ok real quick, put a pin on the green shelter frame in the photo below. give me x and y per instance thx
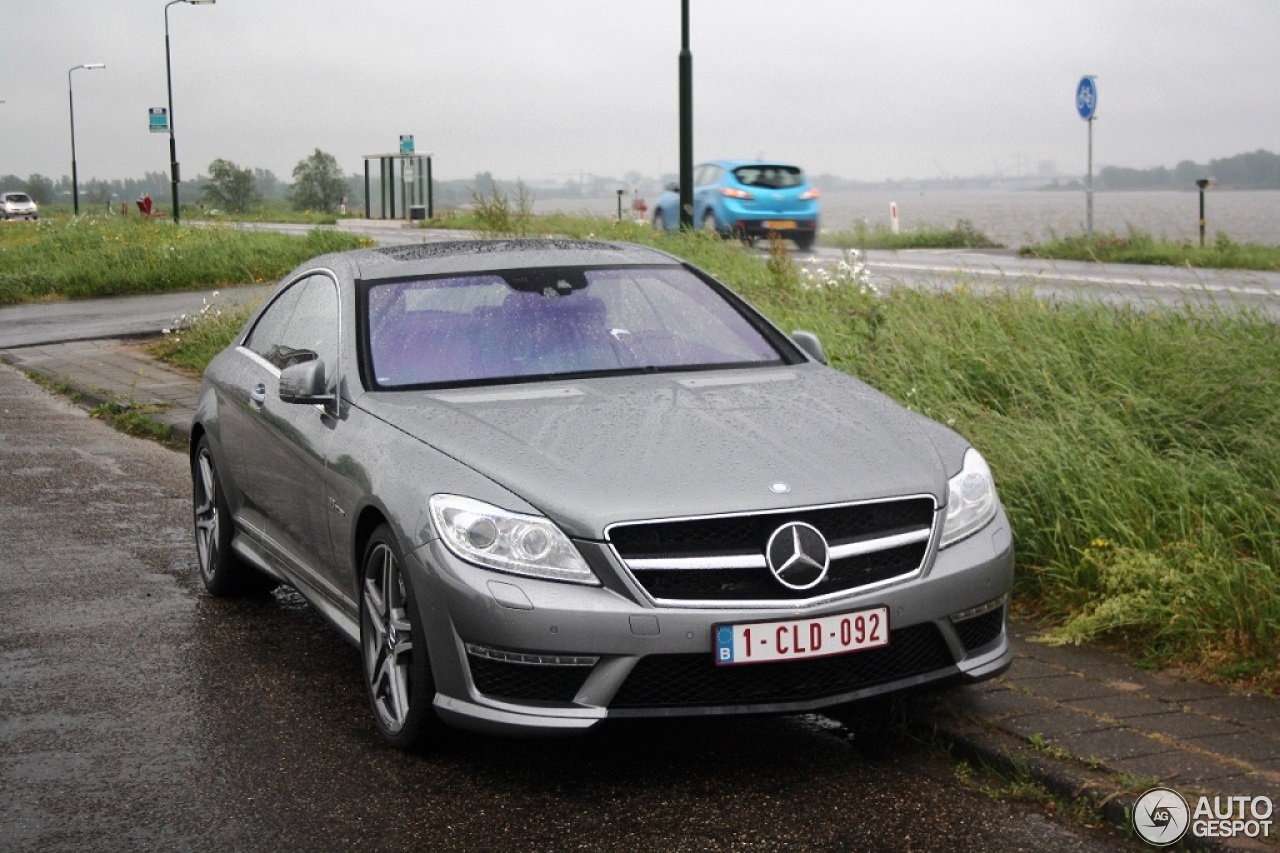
(404, 186)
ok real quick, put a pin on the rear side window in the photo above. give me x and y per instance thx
(769, 177)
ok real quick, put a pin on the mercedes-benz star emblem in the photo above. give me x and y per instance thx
(798, 555)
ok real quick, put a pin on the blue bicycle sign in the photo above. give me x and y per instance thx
(1086, 98)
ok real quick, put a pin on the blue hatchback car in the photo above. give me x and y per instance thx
(747, 199)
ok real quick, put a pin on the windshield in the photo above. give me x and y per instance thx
(21, 198)
(520, 324)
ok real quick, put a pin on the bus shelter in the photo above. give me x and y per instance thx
(403, 186)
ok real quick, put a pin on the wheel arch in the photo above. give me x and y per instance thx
(197, 432)
(369, 520)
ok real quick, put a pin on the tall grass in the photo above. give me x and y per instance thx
(963, 235)
(1140, 247)
(107, 256)
(1138, 453)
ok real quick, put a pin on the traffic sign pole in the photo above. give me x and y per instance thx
(1086, 106)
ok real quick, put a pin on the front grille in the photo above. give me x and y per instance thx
(526, 682)
(666, 681)
(981, 630)
(669, 559)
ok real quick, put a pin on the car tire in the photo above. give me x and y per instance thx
(397, 670)
(659, 221)
(709, 222)
(223, 573)
(804, 242)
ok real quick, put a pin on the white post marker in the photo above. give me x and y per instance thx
(893, 217)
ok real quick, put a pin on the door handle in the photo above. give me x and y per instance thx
(258, 395)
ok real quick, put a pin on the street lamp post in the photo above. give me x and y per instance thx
(686, 121)
(168, 72)
(71, 101)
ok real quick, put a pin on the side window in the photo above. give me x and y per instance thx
(270, 326)
(301, 325)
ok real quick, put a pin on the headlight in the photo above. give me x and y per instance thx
(971, 499)
(507, 541)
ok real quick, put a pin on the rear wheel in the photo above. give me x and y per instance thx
(804, 242)
(709, 222)
(659, 221)
(397, 672)
(223, 573)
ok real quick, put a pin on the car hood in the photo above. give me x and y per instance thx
(592, 452)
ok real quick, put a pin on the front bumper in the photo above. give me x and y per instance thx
(520, 655)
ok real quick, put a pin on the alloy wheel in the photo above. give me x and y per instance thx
(387, 638)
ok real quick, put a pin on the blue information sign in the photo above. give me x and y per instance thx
(158, 119)
(1086, 98)
(406, 144)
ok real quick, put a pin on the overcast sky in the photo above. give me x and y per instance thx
(549, 89)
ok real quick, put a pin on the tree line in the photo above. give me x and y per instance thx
(318, 184)
(1259, 170)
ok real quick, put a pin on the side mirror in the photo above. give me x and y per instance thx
(809, 342)
(304, 383)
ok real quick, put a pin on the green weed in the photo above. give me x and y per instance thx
(1140, 247)
(107, 256)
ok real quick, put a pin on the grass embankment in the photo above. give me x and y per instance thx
(111, 256)
(1138, 453)
(1139, 247)
(963, 235)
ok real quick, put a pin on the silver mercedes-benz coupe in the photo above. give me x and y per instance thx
(546, 483)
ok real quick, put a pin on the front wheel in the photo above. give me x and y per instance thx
(659, 221)
(224, 574)
(397, 672)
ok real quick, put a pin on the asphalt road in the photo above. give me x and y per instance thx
(139, 713)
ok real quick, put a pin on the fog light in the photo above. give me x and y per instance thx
(974, 612)
(531, 659)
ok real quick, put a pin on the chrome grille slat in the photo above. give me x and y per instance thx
(720, 560)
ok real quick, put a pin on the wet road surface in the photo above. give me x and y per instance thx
(138, 713)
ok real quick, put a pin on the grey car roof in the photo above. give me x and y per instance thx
(464, 256)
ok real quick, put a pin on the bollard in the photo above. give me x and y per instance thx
(1202, 184)
(893, 217)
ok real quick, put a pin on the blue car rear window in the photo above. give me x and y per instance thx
(769, 177)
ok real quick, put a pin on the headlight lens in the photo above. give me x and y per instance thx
(971, 499)
(507, 541)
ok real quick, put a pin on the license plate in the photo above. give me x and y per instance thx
(779, 224)
(797, 639)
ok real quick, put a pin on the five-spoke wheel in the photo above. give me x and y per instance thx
(396, 669)
(223, 573)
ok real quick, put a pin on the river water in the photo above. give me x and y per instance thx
(1015, 218)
